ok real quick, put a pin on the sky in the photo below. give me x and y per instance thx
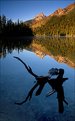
(27, 9)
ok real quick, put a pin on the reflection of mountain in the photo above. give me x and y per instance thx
(38, 53)
(38, 50)
(61, 59)
(61, 49)
(41, 51)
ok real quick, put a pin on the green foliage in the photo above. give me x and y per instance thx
(58, 46)
(8, 28)
(58, 25)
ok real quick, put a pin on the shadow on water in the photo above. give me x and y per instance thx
(8, 44)
(55, 83)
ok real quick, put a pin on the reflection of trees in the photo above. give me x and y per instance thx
(11, 34)
(61, 49)
(9, 44)
(58, 46)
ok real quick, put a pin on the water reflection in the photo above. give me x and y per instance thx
(15, 83)
(7, 45)
(61, 49)
(55, 83)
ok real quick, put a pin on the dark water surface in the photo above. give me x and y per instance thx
(15, 81)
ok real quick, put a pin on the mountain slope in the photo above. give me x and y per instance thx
(59, 23)
(39, 17)
(64, 11)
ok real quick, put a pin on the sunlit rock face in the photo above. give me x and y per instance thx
(64, 11)
(60, 11)
(39, 17)
(69, 8)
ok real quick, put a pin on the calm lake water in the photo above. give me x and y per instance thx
(41, 54)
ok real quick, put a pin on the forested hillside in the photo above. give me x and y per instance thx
(9, 28)
(58, 25)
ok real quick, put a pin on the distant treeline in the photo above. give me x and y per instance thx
(58, 26)
(9, 28)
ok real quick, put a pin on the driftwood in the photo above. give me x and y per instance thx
(56, 85)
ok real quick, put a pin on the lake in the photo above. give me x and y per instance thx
(41, 54)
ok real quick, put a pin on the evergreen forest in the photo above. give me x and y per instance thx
(10, 28)
(58, 26)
